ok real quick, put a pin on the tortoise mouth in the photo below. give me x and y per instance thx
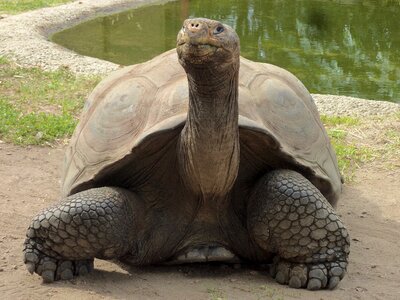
(196, 53)
(198, 49)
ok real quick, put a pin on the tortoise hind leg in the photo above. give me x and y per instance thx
(289, 217)
(63, 240)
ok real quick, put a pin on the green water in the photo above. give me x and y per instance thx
(347, 47)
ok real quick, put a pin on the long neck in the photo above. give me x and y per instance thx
(209, 142)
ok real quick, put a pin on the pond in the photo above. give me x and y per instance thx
(342, 47)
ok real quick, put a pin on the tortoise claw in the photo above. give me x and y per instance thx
(30, 267)
(52, 269)
(313, 276)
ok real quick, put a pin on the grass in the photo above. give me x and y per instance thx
(33, 128)
(18, 6)
(339, 120)
(393, 136)
(40, 107)
(358, 141)
(350, 156)
(383, 135)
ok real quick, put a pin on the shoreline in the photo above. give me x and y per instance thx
(24, 39)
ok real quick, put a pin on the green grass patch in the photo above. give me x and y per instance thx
(33, 128)
(3, 60)
(40, 107)
(17, 6)
(339, 120)
(33, 89)
(350, 155)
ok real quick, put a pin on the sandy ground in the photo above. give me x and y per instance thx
(29, 181)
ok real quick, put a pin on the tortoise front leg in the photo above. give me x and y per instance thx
(63, 240)
(288, 216)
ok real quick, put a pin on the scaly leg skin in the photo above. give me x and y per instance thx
(288, 216)
(63, 240)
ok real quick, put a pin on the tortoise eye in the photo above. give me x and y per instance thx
(219, 29)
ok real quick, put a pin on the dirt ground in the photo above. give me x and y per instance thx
(29, 181)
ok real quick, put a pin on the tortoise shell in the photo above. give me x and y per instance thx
(139, 109)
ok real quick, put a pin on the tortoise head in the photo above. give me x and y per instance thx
(207, 43)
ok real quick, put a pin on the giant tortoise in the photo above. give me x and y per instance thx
(197, 155)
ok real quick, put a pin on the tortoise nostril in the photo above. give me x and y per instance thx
(194, 26)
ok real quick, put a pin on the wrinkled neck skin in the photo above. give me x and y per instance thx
(209, 142)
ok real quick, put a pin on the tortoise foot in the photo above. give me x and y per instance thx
(310, 276)
(52, 269)
(289, 217)
(62, 241)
